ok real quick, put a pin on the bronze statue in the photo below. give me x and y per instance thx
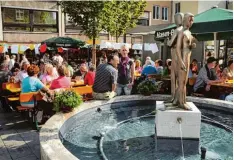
(174, 55)
(184, 45)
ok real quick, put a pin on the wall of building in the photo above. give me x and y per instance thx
(230, 5)
(185, 6)
(189, 6)
(25, 37)
(31, 4)
(149, 7)
(206, 5)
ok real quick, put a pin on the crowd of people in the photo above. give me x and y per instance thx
(115, 75)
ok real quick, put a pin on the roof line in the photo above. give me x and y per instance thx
(213, 32)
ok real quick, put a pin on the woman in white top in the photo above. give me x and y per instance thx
(48, 76)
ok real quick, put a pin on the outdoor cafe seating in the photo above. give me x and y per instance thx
(20, 98)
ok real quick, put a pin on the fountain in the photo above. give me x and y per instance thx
(125, 129)
(144, 127)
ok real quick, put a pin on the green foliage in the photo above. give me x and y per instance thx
(119, 16)
(149, 86)
(116, 17)
(86, 14)
(69, 99)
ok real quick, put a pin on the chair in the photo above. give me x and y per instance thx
(32, 110)
(84, 91)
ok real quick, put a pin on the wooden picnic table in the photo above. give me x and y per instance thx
(137, 74)
(221, 88)
(223, 84)
(17, 89)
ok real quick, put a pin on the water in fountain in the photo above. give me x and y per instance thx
(181, 138)
(131, 135)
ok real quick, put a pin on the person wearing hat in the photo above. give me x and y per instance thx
(206, 77)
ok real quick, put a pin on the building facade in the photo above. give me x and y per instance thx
(196, 7)
(33, 22)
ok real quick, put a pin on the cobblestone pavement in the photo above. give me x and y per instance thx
(18, 141)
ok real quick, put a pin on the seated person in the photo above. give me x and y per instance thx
(81, 72)
(206, 77)
(159, 66)
(62, 81)
(106, 79)
(138, 67)
(23, 73)
(146, 63)
(32, 84)
(228, 71)
(149, 69)
(48, 74)
(90, 76)
(167, 70)
(69, 69)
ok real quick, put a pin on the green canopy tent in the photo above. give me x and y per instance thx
(65, 42)
(213, 24)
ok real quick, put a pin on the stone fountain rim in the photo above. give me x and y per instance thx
(51, 145)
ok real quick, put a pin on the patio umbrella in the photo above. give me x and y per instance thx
(213, 24)
(66, 42)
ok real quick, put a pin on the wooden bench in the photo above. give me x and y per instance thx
(32, 111)
(84, 91)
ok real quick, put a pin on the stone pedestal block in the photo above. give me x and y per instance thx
(167, 128)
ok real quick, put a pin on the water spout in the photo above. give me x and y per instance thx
(179, 120)
(203, 153)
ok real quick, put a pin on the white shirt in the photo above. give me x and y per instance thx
(59, 59)
(11, 64)
(20, 76)
(24, 60)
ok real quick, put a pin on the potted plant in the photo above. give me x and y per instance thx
(66, 101)
(149, 86)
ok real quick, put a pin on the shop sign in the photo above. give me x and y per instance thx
(165, 34)
(63, 45)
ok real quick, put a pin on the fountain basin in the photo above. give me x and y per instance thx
(54, 131)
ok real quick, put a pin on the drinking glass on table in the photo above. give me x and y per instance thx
(78, 78)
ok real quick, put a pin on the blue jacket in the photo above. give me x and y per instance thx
(149, 70)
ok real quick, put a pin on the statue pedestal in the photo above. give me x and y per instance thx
(168, 134)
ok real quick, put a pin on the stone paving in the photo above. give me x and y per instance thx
(17, 139)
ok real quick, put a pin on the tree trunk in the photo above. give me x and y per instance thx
(94, 52)
(125, 38)
(116, 38)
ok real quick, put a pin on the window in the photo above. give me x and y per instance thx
(177, 8)
(156, 12)
(29, 20)
(44, 17)
(164, 13)
(15, 16)
(143, 20)
(71, 26)
(19, 15)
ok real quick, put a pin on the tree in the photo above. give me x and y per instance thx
(119, 16)
(88, 15)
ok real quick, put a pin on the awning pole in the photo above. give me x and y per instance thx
(215, 44)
